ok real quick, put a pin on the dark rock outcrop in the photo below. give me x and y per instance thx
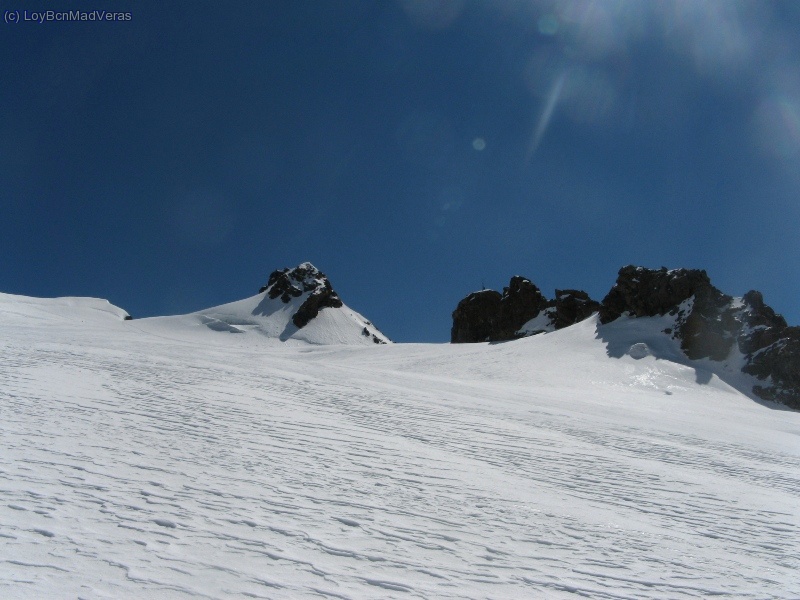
(762, 326)
(293, 283)
(570, 307)
(708, 323)
(771, 349)
(320, 298)
(476, 317)
(706, 326)
(711, 324)
(778, 364)
(520, 303)
(490, 316)
(646, 292)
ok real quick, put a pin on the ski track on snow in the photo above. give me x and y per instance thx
(142, 468)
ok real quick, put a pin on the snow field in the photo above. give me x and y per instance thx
(152, 459)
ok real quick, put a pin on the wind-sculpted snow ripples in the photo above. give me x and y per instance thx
(169, 471)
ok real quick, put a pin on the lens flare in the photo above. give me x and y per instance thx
(548, 24)
(546, 116)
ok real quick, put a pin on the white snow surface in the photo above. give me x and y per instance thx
(161, 458)
(541, 323)
(263, 317)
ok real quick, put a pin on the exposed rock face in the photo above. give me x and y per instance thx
(572, 306)
(762, 326)
(368, 334)
(708, 323)
(780, 364)
(706, 329)
(771, 349)
(293, 283)
(521, 302)
(476, 317)
(647, 293)
(489, 316)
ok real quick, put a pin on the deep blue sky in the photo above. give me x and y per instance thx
(414, 150)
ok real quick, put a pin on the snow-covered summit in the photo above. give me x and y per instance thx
(305, 274)
(304, 280)
(297, 304)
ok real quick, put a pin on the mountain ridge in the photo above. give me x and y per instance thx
(741, 340)
(742, 334)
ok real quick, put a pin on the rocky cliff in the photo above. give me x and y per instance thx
(522, 309)
(708, 323)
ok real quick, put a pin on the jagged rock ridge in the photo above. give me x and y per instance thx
(490, 316)
(707, 330)
(708, 323)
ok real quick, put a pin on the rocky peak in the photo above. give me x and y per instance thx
(771, 349)
(293, 283)
(778, 366)
(304, 279)
(706, 330)
(648, 292)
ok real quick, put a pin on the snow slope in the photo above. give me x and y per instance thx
(262, 317)
(27, 311)
(164, 458)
